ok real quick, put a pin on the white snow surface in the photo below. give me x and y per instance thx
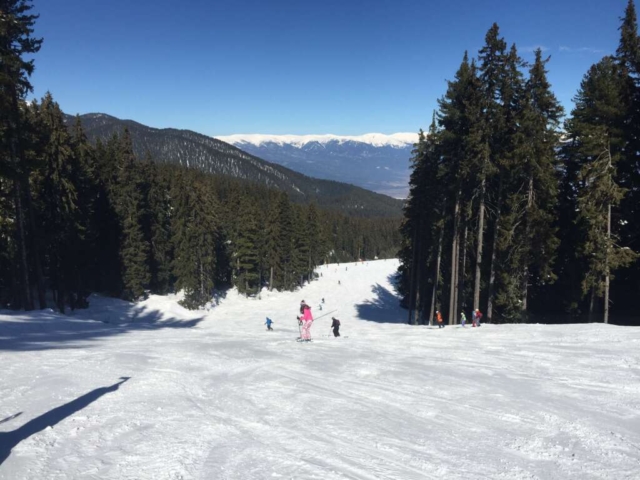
(213, 395)
(397, 140)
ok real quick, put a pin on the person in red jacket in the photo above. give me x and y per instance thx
(439, 319)
(477, 315)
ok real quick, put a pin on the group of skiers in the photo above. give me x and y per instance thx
(305, 320)
(475, 318)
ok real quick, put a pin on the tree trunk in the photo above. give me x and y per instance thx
(525, 273)
(476, 286)
(26, 300)
(19, 199)
(412, 273)
(42, 302)
(461, 303)
(454, 263)
(437, 282)
(492, 266)
(607, 276)
(271, 280)
(416, 317)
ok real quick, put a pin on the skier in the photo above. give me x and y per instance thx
(477, 315)
(307, 320)
(335, 325)
(439, 319)
(463, 319)
(322, 299)
(268, 324)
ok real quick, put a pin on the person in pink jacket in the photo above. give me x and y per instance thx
(307, 320)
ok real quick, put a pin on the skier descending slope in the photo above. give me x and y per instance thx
(335, 325)
(307, 320)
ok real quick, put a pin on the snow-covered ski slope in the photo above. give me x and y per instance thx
(213, 395)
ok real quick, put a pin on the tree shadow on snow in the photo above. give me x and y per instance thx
(385, 308)
(8, 440)
(44, 330)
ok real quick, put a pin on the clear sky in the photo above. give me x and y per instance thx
(346, 67)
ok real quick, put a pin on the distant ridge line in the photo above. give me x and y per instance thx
(398, 140)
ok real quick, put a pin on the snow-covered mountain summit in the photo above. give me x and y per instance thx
(374, 161)
(398, 140)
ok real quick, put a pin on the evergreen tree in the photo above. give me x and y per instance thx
(464, 156)
(245, 248)
(195, 230)
(131, 208)
(285, 243)
(528, 235)
(315, 239)
(107, 226)
(272, 254)
(628, 165)
(300, 260)
(60, 215)
(16, 43)
(596, 130)
(86, 182)
(156, 225)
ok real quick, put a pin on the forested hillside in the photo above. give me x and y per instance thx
(77, 218)
(516, 214)
(100, 219)
(207, 154)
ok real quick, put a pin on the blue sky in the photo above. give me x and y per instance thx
(346, 67)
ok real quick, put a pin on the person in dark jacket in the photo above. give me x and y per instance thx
(335, 325)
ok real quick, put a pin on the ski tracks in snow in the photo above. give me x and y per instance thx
(227, 400)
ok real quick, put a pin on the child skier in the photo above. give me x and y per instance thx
(463, 319)
(268, 324)
(335, 325)
(439, 319)
(307, 320)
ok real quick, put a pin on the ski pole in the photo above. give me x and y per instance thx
(325, 314)
(299, 330)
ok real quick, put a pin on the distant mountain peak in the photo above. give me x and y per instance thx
(397, 140)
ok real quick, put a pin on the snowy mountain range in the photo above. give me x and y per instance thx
(374, 161)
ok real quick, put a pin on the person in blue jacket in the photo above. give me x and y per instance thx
(268, 323)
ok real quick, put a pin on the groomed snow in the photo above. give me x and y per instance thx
(212, 395)
(374, 139)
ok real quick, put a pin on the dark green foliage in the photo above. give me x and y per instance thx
(560, 216)
(156, 225)
(16, 43)
(245, 248)
(597, 134)
(207, 154)
(131, 206)
(423, 226)
(61, 217)
(195, 232)
(527, 240)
